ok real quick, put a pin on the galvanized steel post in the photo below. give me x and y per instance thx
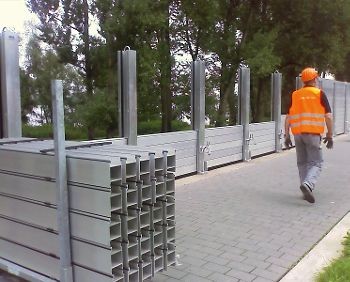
(198, 111)
(276, 82)
(66, 271)
(244, 92)
(347, 110)
(298, 83)
(11, 123)
(127, 95)
(334, 108)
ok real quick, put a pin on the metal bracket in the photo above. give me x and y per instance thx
(206, 148)
(280, 134)
(251, 138)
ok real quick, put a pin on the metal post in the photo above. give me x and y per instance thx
(10, 85)
(344, 116)
(66, 271)
(298, 83)
(244, 92)
(347, 110)
(276, 112)
(198, 110)
(127, 93)
(333, 109)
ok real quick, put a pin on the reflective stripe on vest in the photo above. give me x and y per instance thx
(307, 113)
(307, 122)
(311, 115)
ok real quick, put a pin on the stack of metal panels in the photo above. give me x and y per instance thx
(122, 209)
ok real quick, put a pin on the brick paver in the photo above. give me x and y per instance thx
(248, 222)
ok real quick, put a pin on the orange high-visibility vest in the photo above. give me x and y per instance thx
(307, 113)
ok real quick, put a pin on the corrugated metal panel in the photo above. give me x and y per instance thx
(184, 143)
(90, 172)
(263, 138)
(47, 242)
(225, 145)
(45, 264)
(166, 138)
(328, 88)
(92, 229)
(95, 201)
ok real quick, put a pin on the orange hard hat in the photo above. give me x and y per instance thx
(308, 74)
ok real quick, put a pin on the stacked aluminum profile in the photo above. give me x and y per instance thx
(122, 209)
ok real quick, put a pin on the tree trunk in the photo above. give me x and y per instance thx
(226, 102)
(258, 100)
(88, 66)
(165, 72)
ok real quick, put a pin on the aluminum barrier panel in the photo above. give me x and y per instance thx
(262, 138)
(223, 145)
(283, 119)
(183, 142)
(122, 212)
(328, 87)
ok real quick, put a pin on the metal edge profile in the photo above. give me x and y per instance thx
(85, 199)
(83, 171)
(23, 272)
(47, 242)
(85, 227)
(44, 265)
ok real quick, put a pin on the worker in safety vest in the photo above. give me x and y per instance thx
(308, 113)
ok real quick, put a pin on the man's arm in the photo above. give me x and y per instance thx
(329, 124)
(328, 116)
(286, 125)
(287, 141)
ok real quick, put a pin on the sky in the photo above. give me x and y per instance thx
(13, 14)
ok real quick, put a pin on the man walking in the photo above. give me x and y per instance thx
(307, 114)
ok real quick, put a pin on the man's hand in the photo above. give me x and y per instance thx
(328, 140)
(287, 142)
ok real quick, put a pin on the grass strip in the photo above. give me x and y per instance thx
(339, 269)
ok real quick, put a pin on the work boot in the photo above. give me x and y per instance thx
(307, 192)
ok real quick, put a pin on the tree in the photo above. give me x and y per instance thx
(123, 23)
(310, 33)
(64, 25)
(42, 66)
(227, 34)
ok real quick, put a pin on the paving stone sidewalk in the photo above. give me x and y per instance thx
(248, 222)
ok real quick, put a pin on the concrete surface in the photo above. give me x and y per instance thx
(248, 221)
(321, 255)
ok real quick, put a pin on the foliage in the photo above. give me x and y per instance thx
(149, 127)
(98, 112)
(338, 270)
(310, 33)
(45, 131)
(42, 66)
(83, 37)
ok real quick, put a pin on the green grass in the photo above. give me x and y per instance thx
(80, 133)
(154, 126)
(339, 269)
(46, 132)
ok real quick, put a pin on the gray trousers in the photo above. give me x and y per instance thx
(309, 157)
